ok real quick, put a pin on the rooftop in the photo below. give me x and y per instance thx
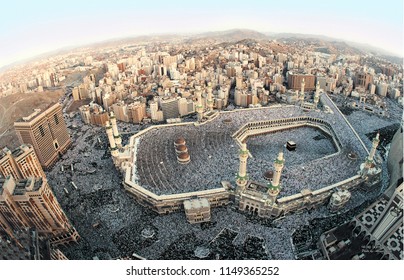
(36, 114)
(196, 203)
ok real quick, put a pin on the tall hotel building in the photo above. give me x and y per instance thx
(47, 133)
(31, 203)
(22, 163)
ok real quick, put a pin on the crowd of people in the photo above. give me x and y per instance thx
(214, 153)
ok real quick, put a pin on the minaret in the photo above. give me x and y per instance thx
(370, 159)
(317, 95)
(114, 149)
(274, 187)
(242, 177)
(302, 91)
(199, 106)
(117, 136)
(375, 143)
(210, 98)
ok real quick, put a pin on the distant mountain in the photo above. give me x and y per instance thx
(358, 46)
(325, 44)
(232, 35)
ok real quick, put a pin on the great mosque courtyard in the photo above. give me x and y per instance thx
(213, 148)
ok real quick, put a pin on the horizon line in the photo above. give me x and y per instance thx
(66, 48)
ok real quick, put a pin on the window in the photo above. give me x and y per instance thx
(41, 130)
(56, 118)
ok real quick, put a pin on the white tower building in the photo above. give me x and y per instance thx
(274, 187)
(117, 136)
(317, 95)
(199, 106)
(302, 91)
(210, 98)
(242, 177)
(368, 164)
(112, 144)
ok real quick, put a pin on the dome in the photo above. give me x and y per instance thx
(183, 156)
(180, 141)
(268, 175)
(181, 148)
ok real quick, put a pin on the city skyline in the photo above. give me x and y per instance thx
(222, 134)
(38, 28)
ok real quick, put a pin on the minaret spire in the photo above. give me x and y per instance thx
(274, 187)
(317, 95)
(302, 91)
(370, 159)
(199, 106)
(242, 177)
(112, 144)
(210, 98)
(117, 136)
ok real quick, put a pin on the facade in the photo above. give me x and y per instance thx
(381, 89)
(137, 112)
(47, 133)
(93, 114)
(182, 106)
(8, 165)
(363, 80)
(295, 81)
(120, 110)
(374, 234)
(155, 113)
(22, 163)
(31, 203)
(28, 245)
(197, 210)
(170, 108)
(395, 160)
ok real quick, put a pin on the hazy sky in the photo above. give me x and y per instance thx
(28, 28)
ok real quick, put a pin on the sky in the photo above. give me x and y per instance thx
(29, 28)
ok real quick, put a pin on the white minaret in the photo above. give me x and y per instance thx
(317, 94)
(274, 187)
(117, 136)
(199, 106)
(302, 91)
(242, 177)
(375, 143)
(210, 98)
(114, 149)
(370, 159)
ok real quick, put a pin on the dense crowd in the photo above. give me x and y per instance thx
(214, 153)
(104, 214)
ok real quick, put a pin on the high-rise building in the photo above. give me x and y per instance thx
(363, 79)
(76, 94)
(182, 106)
(31, 203)
(28, 245)
(154, 106)
(381, 89)
(137, 112)
(93, 114)
(170, 108)
(47, 133)
(8, 165)
(190, 106)
(22, 163)
(120, 110)
(295, 81)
